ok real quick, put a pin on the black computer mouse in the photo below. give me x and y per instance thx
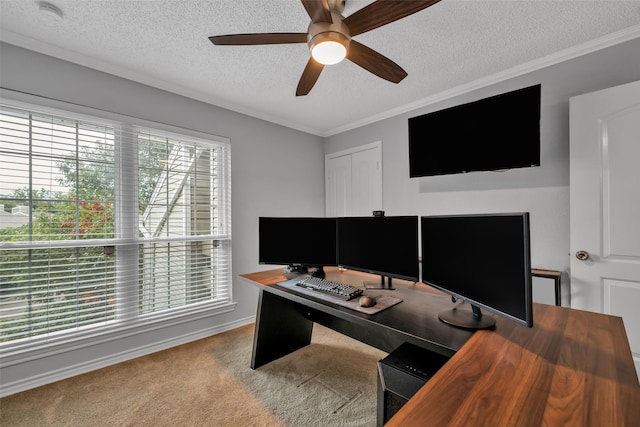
(365, 301)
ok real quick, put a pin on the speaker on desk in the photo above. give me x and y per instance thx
(401, 374)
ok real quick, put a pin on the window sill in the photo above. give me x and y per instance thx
(30, 349)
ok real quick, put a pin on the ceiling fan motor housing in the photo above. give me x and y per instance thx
(336, 31)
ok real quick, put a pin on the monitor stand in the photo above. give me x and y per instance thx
(368, 284)
(466, 319)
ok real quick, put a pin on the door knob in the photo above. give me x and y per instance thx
(582, 255)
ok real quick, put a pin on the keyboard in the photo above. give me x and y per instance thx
(336, 289)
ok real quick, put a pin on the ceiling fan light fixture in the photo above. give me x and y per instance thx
(329, 34)
(329, 48)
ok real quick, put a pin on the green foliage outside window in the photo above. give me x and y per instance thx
(47, 289)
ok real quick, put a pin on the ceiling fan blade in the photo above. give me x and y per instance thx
(309, 77)
(383, 12)
(259, 38)
(318, 10)
(375, 62)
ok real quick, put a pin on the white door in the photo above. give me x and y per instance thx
(338, 186)
(605, 205)
(353, 181)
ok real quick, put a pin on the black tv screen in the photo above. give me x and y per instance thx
(495, 133)
(387, 246)
(297, 241)
(481, 259)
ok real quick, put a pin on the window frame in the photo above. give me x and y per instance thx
(126, 322)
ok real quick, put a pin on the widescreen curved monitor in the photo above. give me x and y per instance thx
(483, 260)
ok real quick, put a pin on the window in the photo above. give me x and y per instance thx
(105, 224)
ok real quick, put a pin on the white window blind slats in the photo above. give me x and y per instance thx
(81, 200)
(182, 272)
(54, 289)
(44, 174)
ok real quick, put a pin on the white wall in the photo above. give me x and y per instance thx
(267, 179)
(542, 191)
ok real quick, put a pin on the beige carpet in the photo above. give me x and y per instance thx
(332, 382)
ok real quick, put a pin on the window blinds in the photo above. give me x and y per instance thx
(106, 223)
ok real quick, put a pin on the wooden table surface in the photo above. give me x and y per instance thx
(573, 368)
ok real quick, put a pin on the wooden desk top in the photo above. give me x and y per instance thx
(573, 368)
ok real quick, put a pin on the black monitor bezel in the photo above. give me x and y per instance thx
(482, 138)
(297, 238)
(378, 271)
(526, 273)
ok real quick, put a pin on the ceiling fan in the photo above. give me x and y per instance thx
(329, 37)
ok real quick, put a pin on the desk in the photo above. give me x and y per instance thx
(573, 368)
(284, 319)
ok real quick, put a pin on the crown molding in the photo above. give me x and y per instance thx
(126, 73)
(519, 70)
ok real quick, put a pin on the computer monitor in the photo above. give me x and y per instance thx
(295, 241)
(481, 259)
(382, 245)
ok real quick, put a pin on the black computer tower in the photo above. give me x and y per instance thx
(401, 374)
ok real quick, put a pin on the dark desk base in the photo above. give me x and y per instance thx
(284, 320)
(280, 329)
(418, 341)
(284, 326)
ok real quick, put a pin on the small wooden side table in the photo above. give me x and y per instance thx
(551, 274)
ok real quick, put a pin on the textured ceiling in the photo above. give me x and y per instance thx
(444, 48)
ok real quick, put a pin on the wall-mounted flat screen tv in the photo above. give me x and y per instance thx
(496, 133)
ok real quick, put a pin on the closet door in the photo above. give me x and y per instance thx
(338, 186)
(366, 182)
(353, 181)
